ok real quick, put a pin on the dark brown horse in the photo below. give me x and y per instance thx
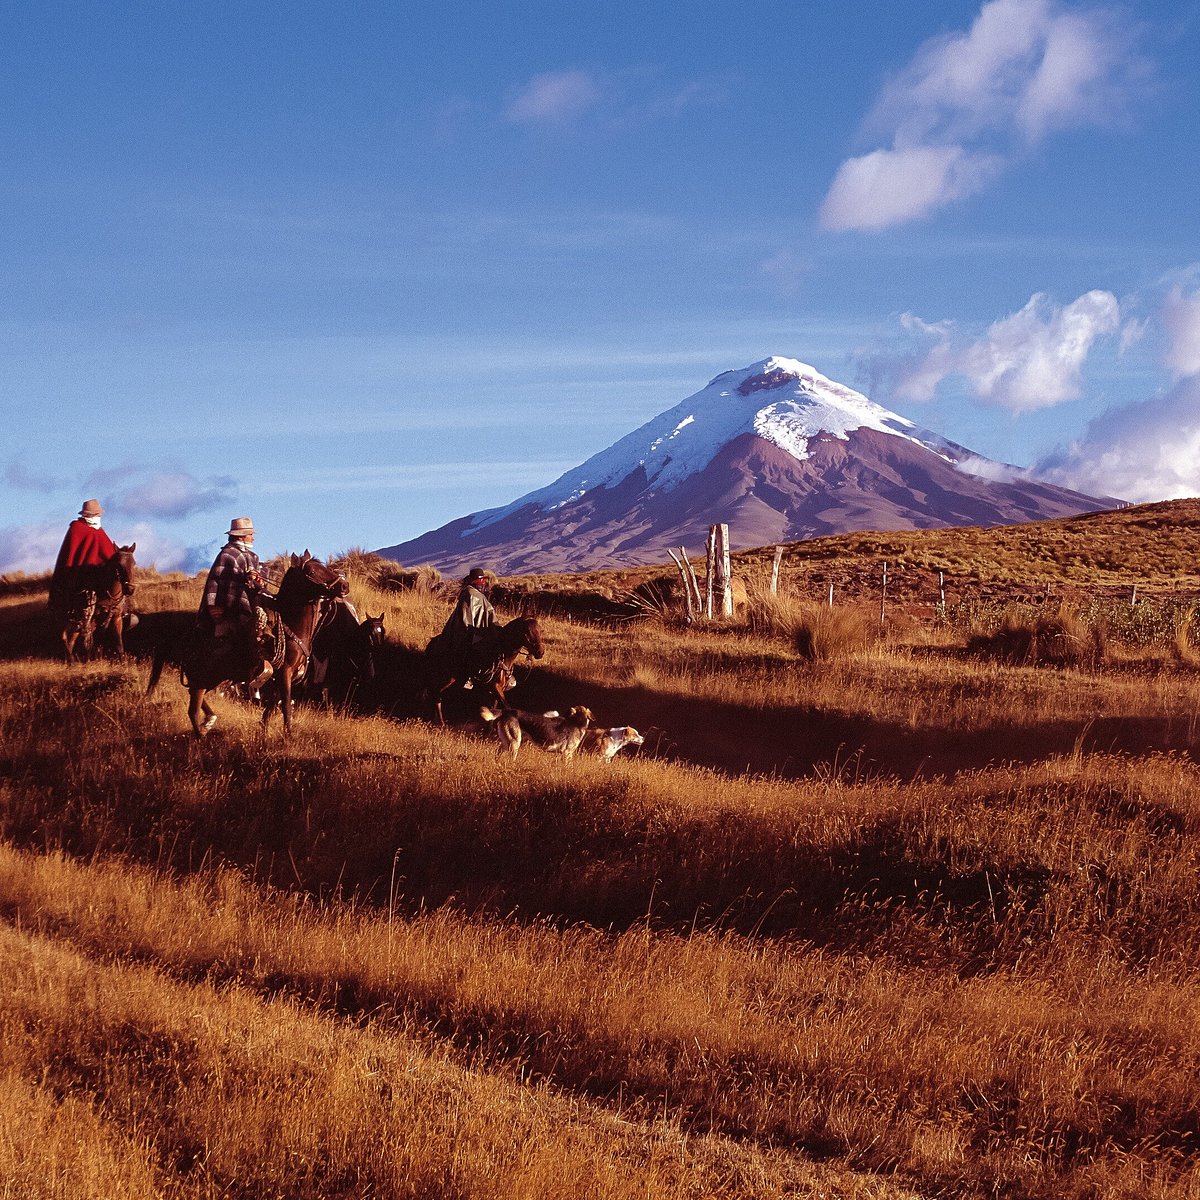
(95, 604)
(488, 672)
(307, 587)
(344, 654)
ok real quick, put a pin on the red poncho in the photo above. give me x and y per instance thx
(82, 547)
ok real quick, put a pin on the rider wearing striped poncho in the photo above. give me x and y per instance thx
(232, 594)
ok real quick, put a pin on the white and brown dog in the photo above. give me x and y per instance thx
(555, 734)
(610, 742)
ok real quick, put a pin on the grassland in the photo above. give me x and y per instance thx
(909, 920)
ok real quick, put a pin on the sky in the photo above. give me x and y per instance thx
(357, 270)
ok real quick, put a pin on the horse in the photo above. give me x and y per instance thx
(344, 652)
(489, 666)
(94, 603)
(307, 587)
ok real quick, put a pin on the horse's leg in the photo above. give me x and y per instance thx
(68, 641)
(285, 701)
(119, 636)
(270, 698)
(197, 705)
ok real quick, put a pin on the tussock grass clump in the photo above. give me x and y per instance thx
(821, 633)
(1064, 639)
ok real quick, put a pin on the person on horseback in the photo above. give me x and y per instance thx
(85, 544)
(234, 594)
(473, 615)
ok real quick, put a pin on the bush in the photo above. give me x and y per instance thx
(1064, 639)
(821, 633)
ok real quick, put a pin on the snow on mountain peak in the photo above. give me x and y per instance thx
(781, 400)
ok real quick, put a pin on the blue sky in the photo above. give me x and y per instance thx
(356, 270)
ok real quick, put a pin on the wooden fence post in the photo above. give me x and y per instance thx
(831, 594)
(883, 594)
(687, 588)
(775, 570)
(722, 586)
(694, 582)
(710, 571)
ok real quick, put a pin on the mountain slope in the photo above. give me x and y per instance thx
(777, 451)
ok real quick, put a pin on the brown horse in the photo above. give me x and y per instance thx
(307, 587)
(488, 671)
(95, 604)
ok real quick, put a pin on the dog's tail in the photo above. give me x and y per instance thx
(508, 728)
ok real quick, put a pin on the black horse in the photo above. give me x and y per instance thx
(344, 655)
(488, 672)
(94, 604)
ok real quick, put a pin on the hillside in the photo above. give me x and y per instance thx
(908, 921)
(1153, 547)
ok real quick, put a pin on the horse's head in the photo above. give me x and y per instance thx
(312, 577)
(122, 565)
(372, 628)
(532, 636)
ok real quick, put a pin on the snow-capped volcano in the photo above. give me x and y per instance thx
(776, 450)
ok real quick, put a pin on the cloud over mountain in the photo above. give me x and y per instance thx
(1028, 360)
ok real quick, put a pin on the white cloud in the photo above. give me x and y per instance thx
(1141, 452)
(889, 187)
(555, 98)
(1031, 359)
(174, 494)
(30, 548)
(1181, 318)
(970, 103)
(33, 548)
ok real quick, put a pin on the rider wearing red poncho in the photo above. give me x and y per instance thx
(85, 545)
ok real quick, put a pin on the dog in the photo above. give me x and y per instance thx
(554, 733)
(609, 742)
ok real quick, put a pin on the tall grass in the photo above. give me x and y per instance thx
(943, 943)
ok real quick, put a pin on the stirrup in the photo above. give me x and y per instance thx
(261, 677)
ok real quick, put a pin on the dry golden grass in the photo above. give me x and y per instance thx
(943, 940)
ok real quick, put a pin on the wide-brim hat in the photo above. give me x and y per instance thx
(477, 575)
(240, 527)
(91, 508)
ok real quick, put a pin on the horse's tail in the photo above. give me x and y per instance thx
(156, 668)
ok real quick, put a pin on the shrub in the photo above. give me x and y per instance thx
(821, 633)
(1063, 639)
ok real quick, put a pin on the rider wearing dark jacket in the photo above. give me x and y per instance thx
(473, 615)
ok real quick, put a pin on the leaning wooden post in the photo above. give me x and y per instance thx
(710, 576)
(775, 570)
(694, 582)
(723, 586)
(687, 588)
(883, 594)
(831, 594)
